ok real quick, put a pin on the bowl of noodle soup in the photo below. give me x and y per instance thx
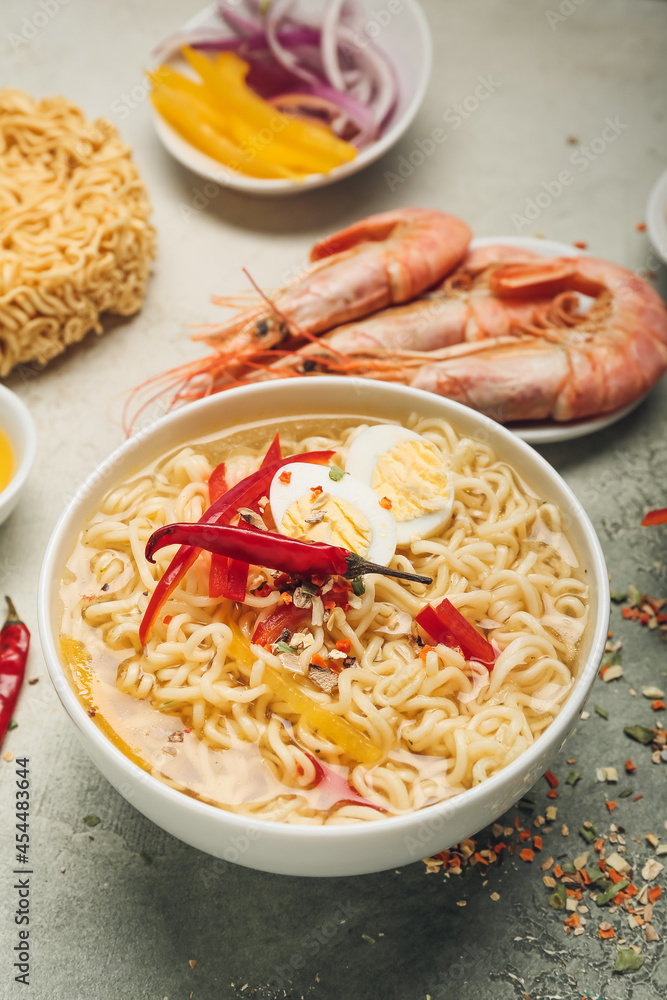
(200, 730)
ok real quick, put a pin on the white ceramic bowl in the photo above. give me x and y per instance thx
(328, 850)
(18, 425)
(405, 38)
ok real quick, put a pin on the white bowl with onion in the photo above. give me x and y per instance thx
(394, 35)
(18, 428)
(327, 850)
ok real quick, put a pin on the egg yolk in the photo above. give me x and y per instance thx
(413, 477)
(6, 461)
(330, 519)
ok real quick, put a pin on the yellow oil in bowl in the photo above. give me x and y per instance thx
(6, 460)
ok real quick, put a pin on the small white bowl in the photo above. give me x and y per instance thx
(284, 848)
(18, 425)
(406, 40)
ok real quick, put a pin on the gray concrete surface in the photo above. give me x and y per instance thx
(119, 910)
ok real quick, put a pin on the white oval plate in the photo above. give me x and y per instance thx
(550, 431)
(406, 40)
(656, 216)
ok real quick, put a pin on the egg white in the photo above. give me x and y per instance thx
(304, 476)
(362, 458)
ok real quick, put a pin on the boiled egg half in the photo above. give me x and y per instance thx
(317, 503)
(410, 472)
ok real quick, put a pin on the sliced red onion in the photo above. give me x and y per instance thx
(329, 45)
(277, 10)
(378, 65)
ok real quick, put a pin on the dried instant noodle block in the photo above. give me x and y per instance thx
(75, 240)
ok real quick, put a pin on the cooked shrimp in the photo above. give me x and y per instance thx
(380, 261)
(506, 335)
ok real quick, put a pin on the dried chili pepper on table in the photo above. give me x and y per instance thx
(14, 646)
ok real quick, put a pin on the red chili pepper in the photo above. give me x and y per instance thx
(447, 625)
(14, 646)
(222, 510)
(655, 517)
(285, 616)
(271, 549)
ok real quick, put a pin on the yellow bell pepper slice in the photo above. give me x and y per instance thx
(223, 79)
(334, 727)
(193, 120)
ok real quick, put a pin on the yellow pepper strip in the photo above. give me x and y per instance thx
(189, 120)
(222, 79)
(334, 727)
(232, 126)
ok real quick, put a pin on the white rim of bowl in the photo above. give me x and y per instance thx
(565, 719)
(252, 185)
(29, 431)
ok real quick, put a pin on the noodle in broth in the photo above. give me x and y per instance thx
(193, 706)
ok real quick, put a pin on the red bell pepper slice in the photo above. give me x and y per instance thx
(221, 511)
(447, 625)
(228, 578)
(284, 616)
(655, 517)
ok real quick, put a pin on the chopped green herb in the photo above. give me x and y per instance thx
(609, 893)
(601, 711)
(13, 724)
(628, 960)
(611, 659)
(595, 875)
(624, 794)
(163, 704)
(589, 832)
(572, 778)
(358, 587)
(618, 596)
(336, 473)
(527, 803)
(309, 588)
(284, 647)
(639, 733)
(91, 820)
(558, 897)
(634, 596)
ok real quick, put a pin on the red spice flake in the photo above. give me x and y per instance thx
(658, 705)
(344, 645)
(286, 597)
(285, 477)
(599, 844)
(524, 835)
(527, 854)
(641, 227)
(500, 847)
(558, 871)
(637, 798)
(654, 894)
(611, 806)
(602, 671)
(614, 876)
(643, 618)
(424, 650)
(581, 244)
(478, 857)
(602, 865)
(553, 794)
(537, 843)
(630, 890)
(573, 921)
(627, 612)
(318, 580)
(317, 661)
(315, 492)
(551, 778)
(386, 503)
(606, 932)
(299, 769)
(167, 619)
(630, 767)
(517, 823)
(586, 877)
